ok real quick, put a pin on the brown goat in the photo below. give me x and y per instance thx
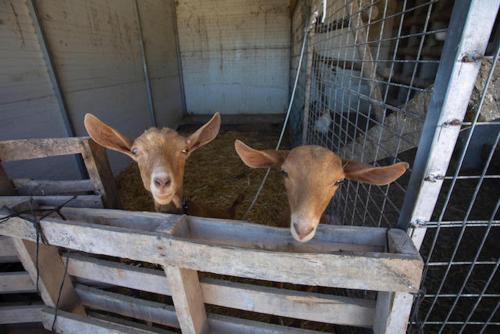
(161, 155)
(312, 176)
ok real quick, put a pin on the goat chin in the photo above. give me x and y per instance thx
(163, 200)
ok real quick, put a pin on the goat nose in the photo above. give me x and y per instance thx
(162, 181)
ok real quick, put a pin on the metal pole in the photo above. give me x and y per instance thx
(54, 80)
(310, 54)
(147, 80)
(179, 59)
(468, 33)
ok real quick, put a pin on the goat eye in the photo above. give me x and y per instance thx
(185, 151)
(135, 150)
(285, 174)
(339, 182)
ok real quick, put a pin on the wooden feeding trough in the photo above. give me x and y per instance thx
(340, 256)
(363, 258)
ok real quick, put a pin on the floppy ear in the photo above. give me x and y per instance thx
(106, 136)
(361, 172)
(205, 134)
(259, 159)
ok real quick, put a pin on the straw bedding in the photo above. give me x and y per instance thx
(215, 176)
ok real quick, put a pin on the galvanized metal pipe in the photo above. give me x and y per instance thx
(147, 80)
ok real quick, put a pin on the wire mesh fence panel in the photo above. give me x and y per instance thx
(373, 67)
(373, 75)
(460, 252)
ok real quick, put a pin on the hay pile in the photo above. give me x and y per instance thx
(215, 176)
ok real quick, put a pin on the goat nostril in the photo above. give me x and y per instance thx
(162, 181)
(296, 228)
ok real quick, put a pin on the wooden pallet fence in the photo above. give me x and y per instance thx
(96, 192)
(100, 181)
(339, 256)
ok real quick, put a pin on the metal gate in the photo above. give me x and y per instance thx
(415, 81)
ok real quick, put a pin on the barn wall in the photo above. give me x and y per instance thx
(235, 55)
(96, 51)
(28, 108)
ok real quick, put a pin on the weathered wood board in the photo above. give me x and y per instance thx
(388, 271)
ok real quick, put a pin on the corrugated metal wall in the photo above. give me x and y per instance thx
(96, 52)
(235, 55)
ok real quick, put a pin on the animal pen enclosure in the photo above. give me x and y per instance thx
(381, 81)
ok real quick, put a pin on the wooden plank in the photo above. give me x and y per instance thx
(157, 313)
(228, 325)
(51, 274)
(128, 306)
(100, 173)
(48, 187)
(146, 221)
(120, 321)
(18, 314)
(188, 299)
(392, 312)
(328, 238)
(281, 302)
(16, 282)
(400, 242)
(69, 323)
(81, 201)
(7, 251)
(290, 303)
(388, 272)
(23, 149)
(116, 273)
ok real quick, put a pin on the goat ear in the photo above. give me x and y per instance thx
(361, 172)
(259, 159)
(106, 136)
(205, 134)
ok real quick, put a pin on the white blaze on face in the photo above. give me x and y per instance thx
(303, 228)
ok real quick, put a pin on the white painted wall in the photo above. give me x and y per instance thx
(96, 52)
(235, 55)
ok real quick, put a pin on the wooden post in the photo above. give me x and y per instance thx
(100, 174)
(392, 312)
(188, 299)
(365, 54)
(51, 270)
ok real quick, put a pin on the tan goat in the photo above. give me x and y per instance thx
(312, 176)
(161, 155)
